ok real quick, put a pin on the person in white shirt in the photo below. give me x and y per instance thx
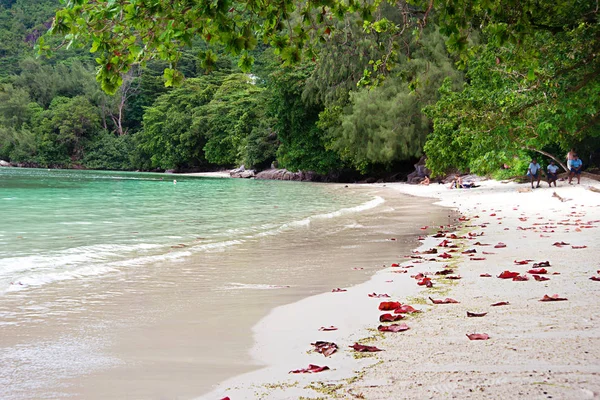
(552, 170)
(534, 172)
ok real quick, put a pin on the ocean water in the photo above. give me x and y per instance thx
(63, 224)
(128, 286)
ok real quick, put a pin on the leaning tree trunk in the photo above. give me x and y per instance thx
(563, 166)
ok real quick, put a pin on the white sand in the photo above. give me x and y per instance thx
(536, 349)
(215, 174)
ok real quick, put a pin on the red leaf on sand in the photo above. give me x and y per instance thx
(447, 300)
(424, 227)
(558, 244)
(554, 297)
(501, 303)
(420, 275)
(480, 244)
(328, 328)
(579, 247)
(406, 309)
(520, 278)
(487, 253)
(310, 370)
(485, 275)
(541, 264)
(540, 278)
(365, 349)
(453, 277)
(522, 262)
(445, 255)
(499, 245)
(325, 348)
(378, 295)
(337, 290)
(472, 314)
(478, 336)
(226, 398)
(444, 243)
(390, 318)
(425, 282)
(393, 328)
(477, 258)
(595, 278)
(388, 305)
(421, 238)
(508, 275)
(470, 251)
(395, 265)
(409, 266)
(392, 239)
(439, 235)
(538, 271)
(444, 272)
(400, 271)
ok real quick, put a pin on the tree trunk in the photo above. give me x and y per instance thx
(563, 166)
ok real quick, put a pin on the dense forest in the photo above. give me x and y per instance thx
(326, 86)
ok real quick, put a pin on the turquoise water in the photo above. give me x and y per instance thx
(64, 224)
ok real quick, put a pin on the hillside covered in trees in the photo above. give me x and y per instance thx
(319, 86)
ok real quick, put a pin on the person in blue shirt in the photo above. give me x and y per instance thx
(552, 173)
(576, 165)
(534, 172)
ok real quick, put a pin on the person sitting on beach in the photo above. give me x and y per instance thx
(552, 171)
(456, 182)
(576, 165)
(533, 172)
(425, 181)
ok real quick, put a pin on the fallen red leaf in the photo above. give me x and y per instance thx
(453, 277)
(378, 295)
(447, 300)
(395, 265)
(325, 348)
(560, 244)
(406, 309)
(540, 278)
(445, 255)
(310, 370)
(485, 275)
(365, 349)
(472, 314)
(388, 305)
(444, 243)
(522, 262)
(400, 271)
(541, 264)
(439, 235)
(487, 253)
(328, 328)
(499, 245)
(579, 247)
(595, 278)
(480, 244)
(470, 251)
(477, 258)
(392, 239)
(420, 275)
(226, 398)
(390, 318)
(500, 303)
(554, 297)
(425, 282)
(508, 275)
(337, 290)
(478, 336)
(444, 272)
(520, 278)
(393, 328)
(538, 271)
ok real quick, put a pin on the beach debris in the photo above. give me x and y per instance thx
(400, 271)
(522, 262)
(406, 309)
(480, 244)
(488, 253)
(470, 251)
(325, 348)
(337, 290)
(541, 264)
(380, 295)
(501, 303)
(395, 265)
(520, 278)
(500, 245)
(445, 271)
(357, 268)
(538, 271)
(365, 349)
(454, 277)
(473, 314)
(388, 305)
(393, 328)
(562, 199)
(560, 244)
(485, 275)
(310, 370)
(579, 247)
(595, 278)
(477, 258)
(425, 282)
(390, 317)
(226, 398)
(447, 300)
(540, 278)
(430, 251)
(508, 275)
(392, 239)
(445, 255)
(418, 276)
(478, 336)
(444, 243)
(554, 297)
(328, 328)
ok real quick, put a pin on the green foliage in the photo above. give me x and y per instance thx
(108, 151)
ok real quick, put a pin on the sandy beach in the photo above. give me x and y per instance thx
(548, 237)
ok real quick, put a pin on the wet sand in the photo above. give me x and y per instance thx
(177, 329)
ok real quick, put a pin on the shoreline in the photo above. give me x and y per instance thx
(535, 348)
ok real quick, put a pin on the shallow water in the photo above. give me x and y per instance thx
(165, 322)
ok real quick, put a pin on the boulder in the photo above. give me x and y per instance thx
(420, 172)
(4, 163)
